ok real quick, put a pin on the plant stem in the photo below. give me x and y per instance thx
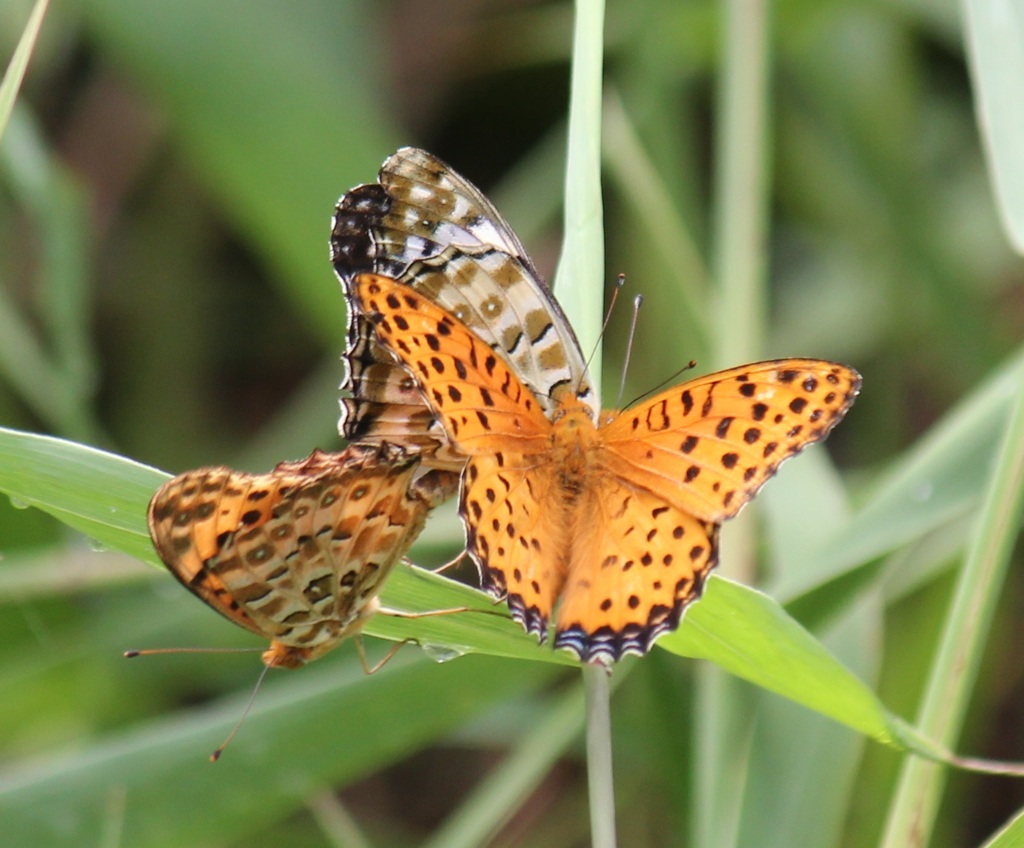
(580, 284)
(601, 787)
(738, 269)
(740, 190)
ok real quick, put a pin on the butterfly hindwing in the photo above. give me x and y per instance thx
(516, 533)
(611, 530)
(636, 564)
(607, 529)
(297, 555)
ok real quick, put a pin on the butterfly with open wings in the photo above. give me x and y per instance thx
(606, 522)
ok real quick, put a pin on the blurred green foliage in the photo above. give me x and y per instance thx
(166, 185)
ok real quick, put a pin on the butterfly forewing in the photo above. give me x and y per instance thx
(185, 519)
(481, 404)
(708, 445)
(441, 208)
(611, 530)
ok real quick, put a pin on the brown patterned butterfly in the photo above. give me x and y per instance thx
(298, 555)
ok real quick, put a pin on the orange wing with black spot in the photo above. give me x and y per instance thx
(480, 402)
(709, 445)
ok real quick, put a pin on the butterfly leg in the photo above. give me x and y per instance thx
(398, 645)
(394, 649)
(424, 613)
(452, 562)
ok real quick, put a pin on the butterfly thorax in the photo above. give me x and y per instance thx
(573, 439)
(279, 655)
(569, 406)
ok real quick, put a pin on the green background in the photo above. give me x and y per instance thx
(166, 185)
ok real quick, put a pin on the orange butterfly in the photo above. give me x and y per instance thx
(614, 518)
(297, 555)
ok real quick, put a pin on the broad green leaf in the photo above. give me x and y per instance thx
(316, 728)
(738, 628)
(1010, 835)
(751, 636)
(105, 496)
(100, 494)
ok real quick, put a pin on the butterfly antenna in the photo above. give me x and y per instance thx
(148, 652)
(620, 281)
(669, 379)
(638, 301)
(245, 714)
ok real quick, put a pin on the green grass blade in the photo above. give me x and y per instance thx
(995, 48)
(280, 113)
(739, 210)
(741, 186)
(494, 799)
(579, 280)
(45, 349)
(18, 65)
(959, 656)
(636, 177)
(1010, 835)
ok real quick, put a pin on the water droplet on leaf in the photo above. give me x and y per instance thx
(442, 653)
